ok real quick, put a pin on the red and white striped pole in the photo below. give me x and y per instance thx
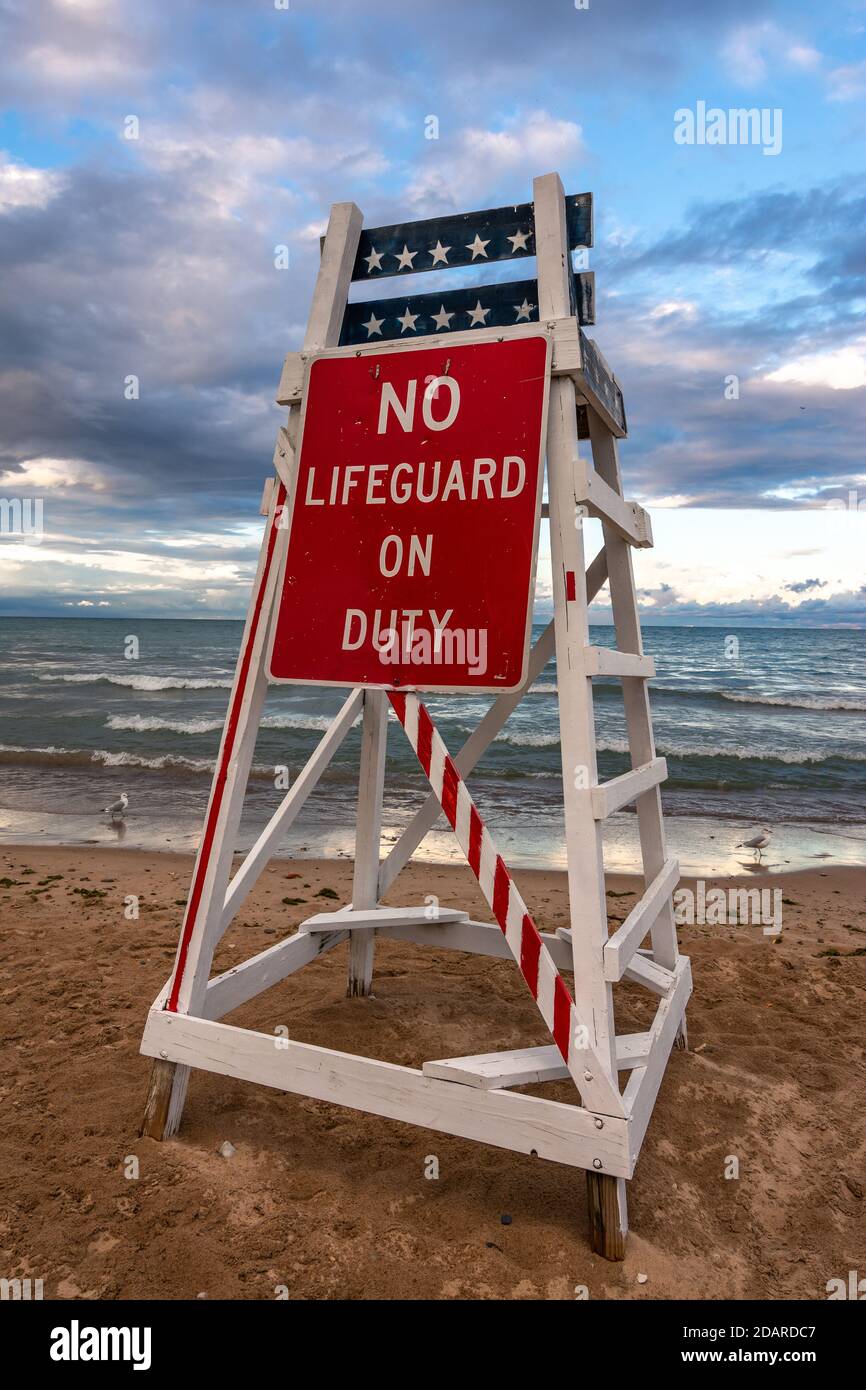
(245, 675)
(545, 983)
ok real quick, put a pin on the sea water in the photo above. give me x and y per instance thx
(760, 727)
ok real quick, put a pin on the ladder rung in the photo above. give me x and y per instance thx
(620, 948)
(633, 1050)
(619, 791)
(627, 518)
(489, 1071)
(527, 1066)
(605, 661)
(344, 919)
(643, 970)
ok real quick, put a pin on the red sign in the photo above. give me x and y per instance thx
(414, 520)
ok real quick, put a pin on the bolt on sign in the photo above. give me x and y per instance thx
(414, 519)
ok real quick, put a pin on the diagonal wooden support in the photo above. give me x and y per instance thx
(575, 1036)
(621, 947)
(481, 738)
(206, 905)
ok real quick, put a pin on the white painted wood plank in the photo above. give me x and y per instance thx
(334, 277)
(488, 1071)
(267, 494)
(285, 460)
(584, 851)
(368, 836)
(564, 332)
(354, 919)
(228, 787)
(642, 970)
(604, 661)
(627, 518)
(524, 1124)
(626, 939)
(528, 1066)
(632, 1050)
(234, 987)
(476, 938)
(611, 796)
(645, 1081)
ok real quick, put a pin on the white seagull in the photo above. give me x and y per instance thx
(117, 809)
(757, 842)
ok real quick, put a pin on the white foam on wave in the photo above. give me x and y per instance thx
(53, 756)
(142, 682)
(153, 723)
(815, 702)
(529, 740)
(793, 756)
(317, 723)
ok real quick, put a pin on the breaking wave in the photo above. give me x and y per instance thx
(815, 702)
(143, 682)
(152, 723)
(795, 756)
(51, 756)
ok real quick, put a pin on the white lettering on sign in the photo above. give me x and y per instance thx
(405, 413)
(405, 410)
(394, 545)
(430, 480)
(385, 625)
(433, 388)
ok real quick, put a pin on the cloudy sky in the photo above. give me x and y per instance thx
(155, 257)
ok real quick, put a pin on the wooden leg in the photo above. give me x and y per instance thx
(156, 1107)
(360, 981)
(166, 1097)
(365, 885)
(593, 994)
(608, 1215)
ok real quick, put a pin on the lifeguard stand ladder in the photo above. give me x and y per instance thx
(471, 1097)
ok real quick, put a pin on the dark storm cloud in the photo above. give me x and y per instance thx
(694, 442)
(125, 272)
(155, 257)
(827, 218)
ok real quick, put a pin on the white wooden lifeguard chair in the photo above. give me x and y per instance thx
(616, 1076)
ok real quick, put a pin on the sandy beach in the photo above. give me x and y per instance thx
(334, 1204)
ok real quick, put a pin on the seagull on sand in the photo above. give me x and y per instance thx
(757, 842)
(117, 809)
